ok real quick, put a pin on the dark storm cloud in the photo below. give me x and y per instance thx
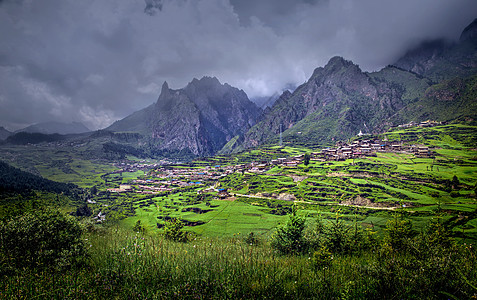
(95, 61)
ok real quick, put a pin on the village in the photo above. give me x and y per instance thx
(164, 179)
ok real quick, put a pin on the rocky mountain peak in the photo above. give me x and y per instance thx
(283, 98)
(206, 81)
(338, 62)
(164, 101)
(199, 118)
(165, 91)
(165, 87)
(205, 85)
(336, 68)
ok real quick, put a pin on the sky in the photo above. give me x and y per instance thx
(97, 61)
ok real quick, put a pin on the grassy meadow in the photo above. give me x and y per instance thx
(389, 226)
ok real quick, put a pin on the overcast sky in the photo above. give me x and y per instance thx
(96, 61)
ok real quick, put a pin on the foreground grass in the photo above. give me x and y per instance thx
(126, 265)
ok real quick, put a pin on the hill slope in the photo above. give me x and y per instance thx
(56, 127)
(13, 180)
(4, 133)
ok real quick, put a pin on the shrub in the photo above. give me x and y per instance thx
(437, 234)
(251, 239)
(173, 231)
(288, 239)
(455, 182)
(398, 233)
(44, 238)
(306, 160)
(322, 259)
(314, 233)
(454, 194)
(139, 228)
(338, 236)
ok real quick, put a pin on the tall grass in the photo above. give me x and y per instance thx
(127, 265)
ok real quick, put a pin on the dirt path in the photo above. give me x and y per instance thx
(364, 206)
(328, 204)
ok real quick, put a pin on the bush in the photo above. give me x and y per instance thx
(322, 259)
(139, 228)
(288, 239)
(454, 194)
(173, 231)
(338, 236)
(398, 234)
(251, 239)
(44, 238)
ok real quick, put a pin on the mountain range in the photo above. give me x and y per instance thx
(436, 80)
(56, 127)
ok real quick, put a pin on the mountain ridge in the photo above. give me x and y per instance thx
(335, 103)
(53, 127)
(199, 118)
(4, 133)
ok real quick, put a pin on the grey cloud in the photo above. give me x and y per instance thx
(152, 6)
(269, 12)
(96, 61)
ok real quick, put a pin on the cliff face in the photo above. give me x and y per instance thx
(336, 102)
(200, 118)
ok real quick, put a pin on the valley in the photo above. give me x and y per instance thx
(354, 185)
(219, 226)
(368, 180)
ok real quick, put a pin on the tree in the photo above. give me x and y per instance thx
(44, 238)
(306, 159)
(173, 231)
(83, 211)
(398, 233)
(289, 238)
(94, 190)
(455, 182)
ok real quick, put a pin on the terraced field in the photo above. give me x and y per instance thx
(366, 190)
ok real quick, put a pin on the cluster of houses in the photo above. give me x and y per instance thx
(133, 167)
(427, 123)
(363, 148)
(165, 179)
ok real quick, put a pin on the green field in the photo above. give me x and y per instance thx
(369, 190)
(390, 226)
